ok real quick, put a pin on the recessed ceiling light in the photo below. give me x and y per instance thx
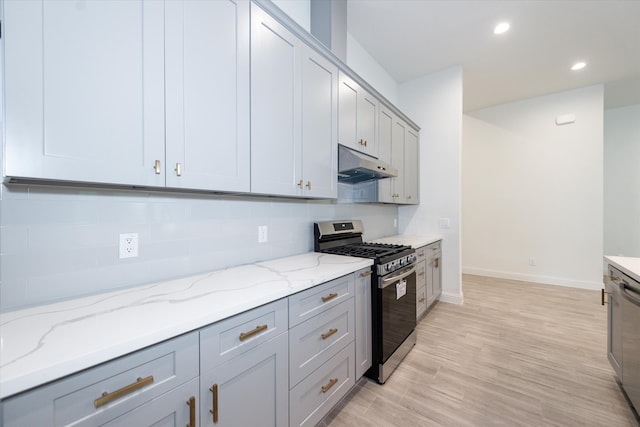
(501, 28)
(578, 66)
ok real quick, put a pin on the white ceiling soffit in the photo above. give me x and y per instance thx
(413, 38)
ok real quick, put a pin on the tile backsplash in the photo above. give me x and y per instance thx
(62, 242)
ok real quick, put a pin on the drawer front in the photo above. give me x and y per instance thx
(306, 304)
(231, 337)
(314, 397)
(434, 247)
(421, 253)
(130, 380)
(315, 341)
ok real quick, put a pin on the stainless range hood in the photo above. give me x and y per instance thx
(354, 167)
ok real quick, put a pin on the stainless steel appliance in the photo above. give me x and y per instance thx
(393, 296)
(629, 291)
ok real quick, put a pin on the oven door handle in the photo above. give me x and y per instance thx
(401, 274)
(630, 294)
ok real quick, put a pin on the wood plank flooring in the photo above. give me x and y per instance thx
(514, 354)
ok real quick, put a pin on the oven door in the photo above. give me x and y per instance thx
(398, 298)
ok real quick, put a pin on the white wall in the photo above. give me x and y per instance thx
(622, 181)
(533, 190)
(359, 60)
(434, 102)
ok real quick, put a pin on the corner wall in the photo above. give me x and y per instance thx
(533, 191)
(434, 102)
(622, 181)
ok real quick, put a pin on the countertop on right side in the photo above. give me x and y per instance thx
(628, 265)
(409, 240)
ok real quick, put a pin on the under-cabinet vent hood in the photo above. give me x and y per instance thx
(354, 167)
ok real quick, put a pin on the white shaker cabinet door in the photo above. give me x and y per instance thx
(207, 95)
(276, 156)
(84, 90)
(319, 126)
(411, 167)
(385, 132)
(398, 133)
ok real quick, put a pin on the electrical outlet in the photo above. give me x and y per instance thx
(129, 245)
(263, 235)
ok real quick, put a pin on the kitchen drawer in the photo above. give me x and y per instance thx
(421, 253)
(433, 247)
(306, 304)
(314, 397)
(228, 338)
(139, 378)
(315, 341)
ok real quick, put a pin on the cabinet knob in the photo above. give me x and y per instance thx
(308, 185)
(300, 183)
(156, 167)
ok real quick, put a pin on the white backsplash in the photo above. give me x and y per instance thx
(58, 243)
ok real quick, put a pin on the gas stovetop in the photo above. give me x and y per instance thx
(345, 238)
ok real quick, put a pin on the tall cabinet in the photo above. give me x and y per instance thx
(293, 113)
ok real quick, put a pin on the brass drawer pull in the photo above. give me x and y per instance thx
(421, 273)
(328, 334)
(421, 300)
(437, 262)
(258, 329)
(308, 185)
(420, 254)
(192, 411)
(365, 274)
(332, 382)
(329, 297)
(156, 167)
(110, 397)
(214, 410)
(602, 299)
(300, 183)
(178, 169)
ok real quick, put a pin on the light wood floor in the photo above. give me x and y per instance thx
(514, 354)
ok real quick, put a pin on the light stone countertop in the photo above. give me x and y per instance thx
(628, 265)
(409, 240)
(45, 343)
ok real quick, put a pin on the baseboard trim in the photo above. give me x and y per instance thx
(452, 298)
(546, 280)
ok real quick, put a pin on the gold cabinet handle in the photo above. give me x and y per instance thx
(365, 273)
(332, 382)
(192, 411)
(361, 142)
(602, 299)
(409, 197)
(329, 297)
(420, 254)
(328, 334)
(257, 330)
(110, 397)
(157, 167)
(300, 183)
(308, 185)
(421, 273)
(178, 169)
(365, 142)
(421, 300)
(214, 410)
(437, 262)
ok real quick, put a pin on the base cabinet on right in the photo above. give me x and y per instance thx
(433, 254)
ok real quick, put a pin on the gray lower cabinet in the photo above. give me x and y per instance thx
(250, 390)
(113, 391)
(433, 254)
(321, 349)
(421, 283)
(363, 337)
(244, 362)
(614, 325)
(284, 363)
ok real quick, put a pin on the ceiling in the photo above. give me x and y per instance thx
(412, 38)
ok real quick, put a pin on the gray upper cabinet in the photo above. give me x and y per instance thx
(358, 112)
(293, 113)
(399, 146)
(84, 86)
(207, 95)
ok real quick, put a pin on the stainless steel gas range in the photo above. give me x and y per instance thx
(393, 296)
